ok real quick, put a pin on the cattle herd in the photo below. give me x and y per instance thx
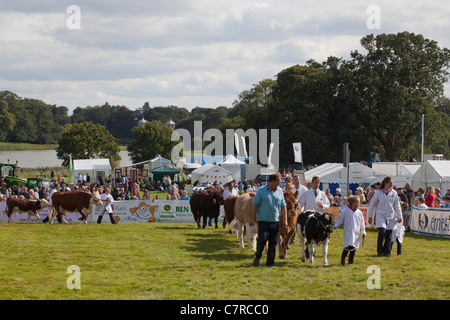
(313, 228)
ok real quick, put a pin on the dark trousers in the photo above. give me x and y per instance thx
(399, 247)
(267, 231)
(351, 256)
(384, 242)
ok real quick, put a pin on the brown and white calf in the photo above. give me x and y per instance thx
(32, 207)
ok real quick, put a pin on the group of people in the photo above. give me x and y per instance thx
(383, 198)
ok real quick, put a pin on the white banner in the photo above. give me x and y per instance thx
(125, 211)
(430, 221)
(297, 152)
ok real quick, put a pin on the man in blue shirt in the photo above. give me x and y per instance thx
(268, 205)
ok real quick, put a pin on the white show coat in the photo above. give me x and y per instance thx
(353, 225)
(308, 200)
(387, 208)
(107, 200)
(227, 193)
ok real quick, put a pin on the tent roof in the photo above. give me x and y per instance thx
(210, 167)
(164, 169)
(158, 158)
(336, 172)
(230, 159)
(91, 164)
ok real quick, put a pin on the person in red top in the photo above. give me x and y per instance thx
(429, 199)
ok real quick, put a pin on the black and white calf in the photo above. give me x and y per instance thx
(314, 228)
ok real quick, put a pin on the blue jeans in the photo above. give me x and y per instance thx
(267, 231)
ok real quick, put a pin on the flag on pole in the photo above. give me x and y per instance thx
(298, 157)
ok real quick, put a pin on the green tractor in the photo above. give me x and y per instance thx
(7, 175)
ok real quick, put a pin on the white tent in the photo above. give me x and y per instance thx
(210, 173)
(334, 175)
(232, 164)
(158, 161)
(95, 168)
(433, 173)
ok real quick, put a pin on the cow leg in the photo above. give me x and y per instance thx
(310, 249)
(50, 216)
(325, 251)
(240, 234)
(205, 219)
(216, 220)
(9, 217)
(29, 217)
(302, 244)
(280, 247)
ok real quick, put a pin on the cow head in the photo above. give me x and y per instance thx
(291, 201)
(217, 197)
(43, 203)
(95, 199)
(325, 221)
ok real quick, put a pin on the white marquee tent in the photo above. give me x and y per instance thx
(433, 173)
(232, 164)
(334, 175)
(210, 173)
(95, 168)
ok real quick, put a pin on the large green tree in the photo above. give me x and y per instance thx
(397, 79)
(87, 141)
(150, 140)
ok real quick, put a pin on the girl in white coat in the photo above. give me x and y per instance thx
(107, 200)
(353, 221)
(388, 211)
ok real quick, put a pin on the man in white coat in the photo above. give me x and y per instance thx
(388, 211)
(314, 199)
(298, 186)
(230, 191)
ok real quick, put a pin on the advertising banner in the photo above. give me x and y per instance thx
(430, 221)
(125, 211)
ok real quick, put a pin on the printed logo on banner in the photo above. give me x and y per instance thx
(423, 220)
(144, 211)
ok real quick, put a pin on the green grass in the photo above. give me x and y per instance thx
(177, 261)
(13, 146)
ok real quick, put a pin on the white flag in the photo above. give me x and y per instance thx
(298, 152)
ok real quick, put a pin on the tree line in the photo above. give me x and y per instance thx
(374, 101)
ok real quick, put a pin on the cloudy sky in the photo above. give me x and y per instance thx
(184, 52)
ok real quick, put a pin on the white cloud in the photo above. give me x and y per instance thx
(186, 53)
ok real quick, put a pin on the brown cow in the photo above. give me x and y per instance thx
(228, 206)
(73, 201)
(287, 232)
(242, 217)
(32, 207)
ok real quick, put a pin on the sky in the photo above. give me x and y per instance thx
(186, 53)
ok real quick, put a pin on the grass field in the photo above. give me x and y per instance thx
(175, 261)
